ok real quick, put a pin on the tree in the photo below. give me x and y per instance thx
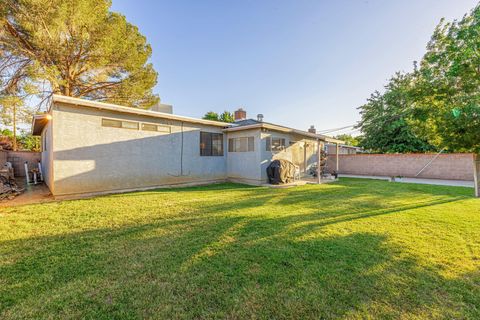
(75, 48)
(29, 142)
(14, 111)
(210, 115)
(349, 139)
(386, 122)
(448, 99)
(227, 116)
(25, 141)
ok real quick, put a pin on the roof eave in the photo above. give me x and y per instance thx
(38, 123)
(130, 110)
(284, 129)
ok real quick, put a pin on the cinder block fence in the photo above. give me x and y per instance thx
(452, 166)
(18, 158)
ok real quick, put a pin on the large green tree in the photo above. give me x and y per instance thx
(76, 48)
(386, 122)
(448, 87)
(438, 104)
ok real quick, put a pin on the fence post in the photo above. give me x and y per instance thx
(337, 147)
(476, 174)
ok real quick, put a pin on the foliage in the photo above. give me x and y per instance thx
(13, 111)
(448, 85)
(12, 104)
(349, 139)
(28, 142)
(438, 104)
(386, 122)
(227, 116)
(354, 249)
(25, 141)
(210, 115)
(74, 48)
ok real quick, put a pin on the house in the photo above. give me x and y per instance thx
(91, 147)
(331, 149)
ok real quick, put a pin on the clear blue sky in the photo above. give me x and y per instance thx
(298, 62)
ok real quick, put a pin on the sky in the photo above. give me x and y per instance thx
(298, 62)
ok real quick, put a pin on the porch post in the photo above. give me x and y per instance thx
(336, 155)
(319, 155)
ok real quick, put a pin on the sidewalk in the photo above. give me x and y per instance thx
(440, 182)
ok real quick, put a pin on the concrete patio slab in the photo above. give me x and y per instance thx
(33, 194)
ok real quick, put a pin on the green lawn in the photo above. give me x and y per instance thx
(351, 249)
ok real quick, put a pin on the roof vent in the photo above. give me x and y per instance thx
(260, 117)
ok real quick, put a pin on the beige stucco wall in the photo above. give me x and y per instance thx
(89, 158)
(245, 166)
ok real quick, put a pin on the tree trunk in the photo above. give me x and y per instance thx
(476, 170)
(14, 146)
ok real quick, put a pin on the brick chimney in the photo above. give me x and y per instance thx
(312, 129)
(240, 114)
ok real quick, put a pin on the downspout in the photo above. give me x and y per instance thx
(337, 152)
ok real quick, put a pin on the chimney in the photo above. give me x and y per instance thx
(240, 114)
(260, 117)
(312, 129)
(160, 107)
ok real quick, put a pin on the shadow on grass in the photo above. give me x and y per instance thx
(212, 263)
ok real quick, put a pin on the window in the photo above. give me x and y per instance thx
(155, 127)
(243, 144)
(119, 124)
(275, 144)
(211, 144)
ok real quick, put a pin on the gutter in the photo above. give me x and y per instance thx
(284, 129)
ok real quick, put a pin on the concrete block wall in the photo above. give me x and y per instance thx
(18, 158)
(454, 166)
(3, 157)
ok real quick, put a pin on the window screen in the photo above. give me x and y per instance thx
(242, 144)
(211, 144)
(130, 125)
(111, 123)
(149, 127)
(155, 127)
(275, 144)
(119, 124)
